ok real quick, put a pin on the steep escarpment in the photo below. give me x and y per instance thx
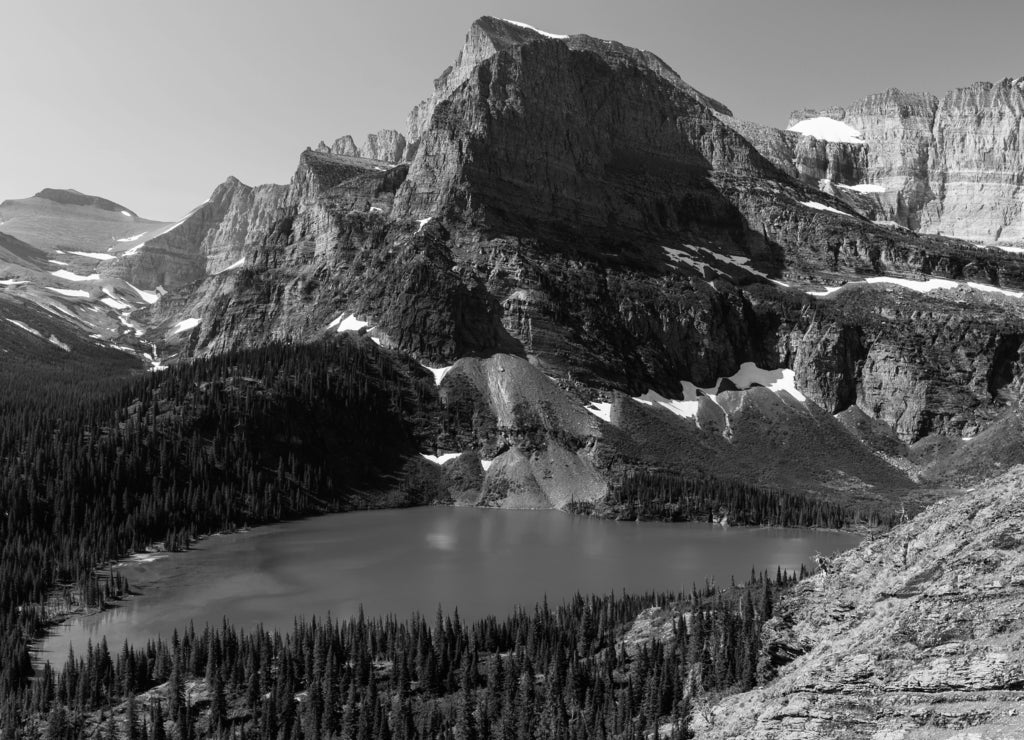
(950, 165)
(912, 635)
(210, 239)
(574, 203)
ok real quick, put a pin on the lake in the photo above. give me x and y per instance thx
(400, 561)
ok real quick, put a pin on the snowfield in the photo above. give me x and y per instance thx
(148, 296)
(828, 129)
(26, 327)
(97, 255)
(185, 325)
(65, 275)
(922, 286)
(749, 375)
(822, 207)
(442, 458)
(71, 293)
(347, 322)
(537, 30)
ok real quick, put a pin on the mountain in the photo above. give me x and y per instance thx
(949, 165)
(68, 220)
(574, 206)
(574, 203)
(915, 634)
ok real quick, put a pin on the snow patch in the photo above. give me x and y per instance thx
(134, 250)
(685, 409)
(97, 255)
(441, 459)
(422, 222)
(12, 281)
(866, 187)
(127, 239)
(778, 381)
(26, 327)
(438, 372)
(58, 262)
(71, 293)
(486, 464)
(57, 343)
(822, 207)
(234, 265)
(828, 129)
(347, 322)
(148, 296)
(602, 410)
(65, 275)
(825, 291)
(185, 325)
(536, 30)
(125, 213)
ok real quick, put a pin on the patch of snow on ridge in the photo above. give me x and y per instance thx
(685, 409)
(486, 464)
(866, 187)
(12, 281)
(537, 30)
(185, 325)
(438, 372)
(58, 262)
(442, 458)
(347, 322)
(602, 410)
(234, 265)
(826, 291)
(134, 250)
(125, 213)
(822, 207)
(148, 296)
(778, 381)
(96, 255)
(71, 293)
(57, 343)
(65, 275)
(422, 222)
(828, 129)
(26, 327)
(126, 239)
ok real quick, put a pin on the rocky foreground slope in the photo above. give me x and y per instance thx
(916, 634)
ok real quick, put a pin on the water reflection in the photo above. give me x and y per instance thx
(404, 561)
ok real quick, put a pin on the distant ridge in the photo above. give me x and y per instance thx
(72, 197)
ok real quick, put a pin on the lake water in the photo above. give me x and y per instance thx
(483, 561)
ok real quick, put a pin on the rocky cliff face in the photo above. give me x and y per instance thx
(949, 165)
(574, 203)
(916, 634)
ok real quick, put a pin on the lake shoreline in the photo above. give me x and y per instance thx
(405, 530)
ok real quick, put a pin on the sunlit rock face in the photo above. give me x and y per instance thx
(951, 165)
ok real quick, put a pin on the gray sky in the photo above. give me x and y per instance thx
(153, 104)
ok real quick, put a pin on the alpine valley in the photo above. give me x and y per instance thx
(573, 282)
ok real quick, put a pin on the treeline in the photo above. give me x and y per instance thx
(676, 497)
(570, 672)
(92, 471)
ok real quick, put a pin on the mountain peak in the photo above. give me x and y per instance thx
(72, 197)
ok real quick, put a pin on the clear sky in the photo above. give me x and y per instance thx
(152, 104)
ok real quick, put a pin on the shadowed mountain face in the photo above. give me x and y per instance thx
(573, 203)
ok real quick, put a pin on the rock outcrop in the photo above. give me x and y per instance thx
(949, 165)
(916, 634)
